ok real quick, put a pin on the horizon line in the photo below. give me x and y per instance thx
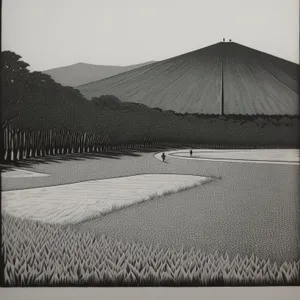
(229, 41)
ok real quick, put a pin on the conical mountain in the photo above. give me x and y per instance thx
(224, 78)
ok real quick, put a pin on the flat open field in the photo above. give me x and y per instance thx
(253, 208)
(72, 203)
(269, 156)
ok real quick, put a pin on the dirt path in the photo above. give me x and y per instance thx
(78, 169)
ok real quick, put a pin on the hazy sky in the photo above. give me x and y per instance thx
(54, 33)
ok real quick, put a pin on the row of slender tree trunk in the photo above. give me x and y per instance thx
(25, 143)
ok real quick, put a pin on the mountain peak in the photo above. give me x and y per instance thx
(225, 76)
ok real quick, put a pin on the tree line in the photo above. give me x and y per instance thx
(40, 117)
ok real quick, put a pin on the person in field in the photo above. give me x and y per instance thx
(163, 157)
(191, 152)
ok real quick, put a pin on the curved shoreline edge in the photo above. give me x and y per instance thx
(174, 154)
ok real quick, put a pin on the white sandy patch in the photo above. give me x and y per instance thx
(72, 203)
(270, 156)
(19, 173)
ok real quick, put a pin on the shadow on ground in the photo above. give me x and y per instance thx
(113, 154)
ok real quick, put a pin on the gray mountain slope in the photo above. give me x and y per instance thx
(245, 80)
(82, 73)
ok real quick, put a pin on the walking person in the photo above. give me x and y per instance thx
(163, 156)
(191, 152)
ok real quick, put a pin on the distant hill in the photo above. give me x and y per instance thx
(224, 78)
(82, 73)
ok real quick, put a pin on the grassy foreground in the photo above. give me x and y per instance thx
(38, 254)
